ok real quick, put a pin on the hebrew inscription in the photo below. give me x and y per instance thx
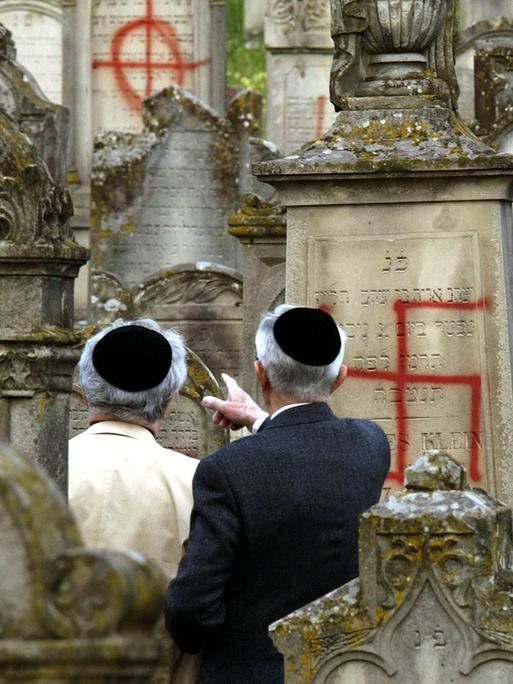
(415, 334)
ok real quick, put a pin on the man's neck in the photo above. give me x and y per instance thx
(99, 416)
(278, 401)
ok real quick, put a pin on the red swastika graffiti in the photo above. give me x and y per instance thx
(401, 378)
(153, 27)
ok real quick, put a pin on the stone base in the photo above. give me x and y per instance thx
(91, 661)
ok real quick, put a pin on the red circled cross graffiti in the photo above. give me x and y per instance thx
(402, 377)
(167, 34)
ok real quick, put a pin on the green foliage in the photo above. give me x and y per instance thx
(246, 58)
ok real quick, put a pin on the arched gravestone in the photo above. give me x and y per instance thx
(67, 613)
(432, 604)
(202, 300)
(188, 427)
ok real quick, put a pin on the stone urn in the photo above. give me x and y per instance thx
(398, 35)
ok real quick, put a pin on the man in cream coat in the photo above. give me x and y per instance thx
(125, 490)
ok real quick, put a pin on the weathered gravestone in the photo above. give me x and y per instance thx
(36, 26)
(484, 67)
(399, 221)
(162, 198)
(187, 428)
(45, 123)
(67, 613)
(299, 55)
(141, 46)
(432, 604)
(39, 261)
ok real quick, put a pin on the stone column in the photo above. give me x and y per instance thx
(399, 222)
(39, 261)
(261, 228)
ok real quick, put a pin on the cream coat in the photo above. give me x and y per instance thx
(126, 491)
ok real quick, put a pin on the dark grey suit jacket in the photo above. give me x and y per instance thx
(274, 526)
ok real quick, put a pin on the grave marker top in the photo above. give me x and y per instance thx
(433, 588)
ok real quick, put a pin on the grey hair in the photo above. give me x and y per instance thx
(148, 404)
(288, 376)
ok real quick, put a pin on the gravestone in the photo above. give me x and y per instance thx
(45, 123)
(187, 427)
(36, 26)
(39, 261)
(432, 602)
(141, 46)
(299, 55)
(68, 614)
(398, 222)
(162, 198)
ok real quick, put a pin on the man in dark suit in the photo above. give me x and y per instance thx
(275, 518)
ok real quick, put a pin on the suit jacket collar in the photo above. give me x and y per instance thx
(118, 427)
(315, 412)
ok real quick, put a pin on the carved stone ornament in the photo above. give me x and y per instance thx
(57, 596)
(393, 49)
(300, 15)
(433, 600)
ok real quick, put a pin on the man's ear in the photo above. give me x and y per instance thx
(164, 409)
(262, 378)
(342, 375)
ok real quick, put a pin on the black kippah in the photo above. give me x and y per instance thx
(133, 358)
(309, 336)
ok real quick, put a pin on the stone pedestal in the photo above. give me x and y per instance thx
(39, 261)
(399, 222)
(432, 603)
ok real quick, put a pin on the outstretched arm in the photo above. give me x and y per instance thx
(238, 410)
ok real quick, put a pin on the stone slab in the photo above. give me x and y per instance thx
(163, 198)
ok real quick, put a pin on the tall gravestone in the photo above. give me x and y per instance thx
(37, 29)
(39, 261)
(483, 65)
(141, 46)
(254, 13)
(432, 603)
(399, 222)
(299, 53)
(162, 198)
